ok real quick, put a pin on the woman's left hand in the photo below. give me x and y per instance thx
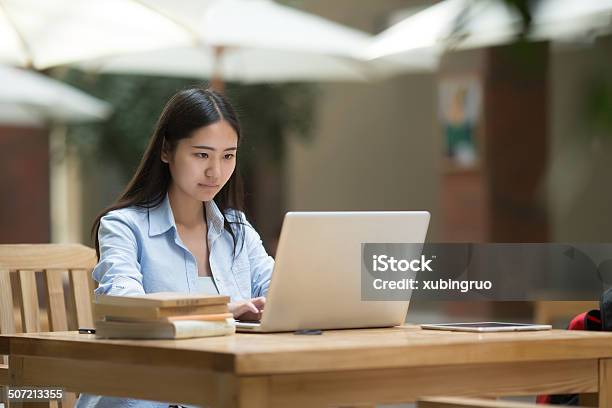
(249, 309)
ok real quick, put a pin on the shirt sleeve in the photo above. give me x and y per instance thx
(118, 270)
(261, 263)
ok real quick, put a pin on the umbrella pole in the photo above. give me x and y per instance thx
(216, 82)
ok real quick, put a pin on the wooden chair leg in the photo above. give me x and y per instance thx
(69, 400)
(4, 396)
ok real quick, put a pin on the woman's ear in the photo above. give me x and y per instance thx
(165, 156)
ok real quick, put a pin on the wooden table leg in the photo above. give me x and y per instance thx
(252, 392)
(605, 383)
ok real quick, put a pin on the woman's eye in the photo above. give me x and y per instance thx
(202, 155)
(229, 156)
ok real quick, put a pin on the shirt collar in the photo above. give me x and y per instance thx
(161, 218)
(215, 219)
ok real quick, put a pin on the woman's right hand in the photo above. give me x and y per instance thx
(248, 309)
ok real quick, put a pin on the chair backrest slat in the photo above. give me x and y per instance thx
(82, 295)
(30, 315)
(7, 317)
(56, 306)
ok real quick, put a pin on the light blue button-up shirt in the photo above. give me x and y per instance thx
(142, 252)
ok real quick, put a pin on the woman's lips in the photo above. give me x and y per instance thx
(206, 185)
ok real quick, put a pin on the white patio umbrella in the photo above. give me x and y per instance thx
(566, 19)
(421, 32)
(249, 65)
(260, 24)
(255, 41)
(251, 40)
(28, 98)
(465, 24)
(46, 33)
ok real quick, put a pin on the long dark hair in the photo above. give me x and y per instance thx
(186, 111)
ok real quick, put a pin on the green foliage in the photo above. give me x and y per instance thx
(598, 106)
(523, 8)
(267, 113)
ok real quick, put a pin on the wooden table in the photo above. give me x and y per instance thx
(338, 368)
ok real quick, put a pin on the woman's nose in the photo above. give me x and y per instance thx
(213, 171)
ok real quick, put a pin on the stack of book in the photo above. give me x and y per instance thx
(163, 315)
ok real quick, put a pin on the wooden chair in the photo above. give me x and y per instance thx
(23, 309)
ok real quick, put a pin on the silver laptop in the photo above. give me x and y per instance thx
(316, 283)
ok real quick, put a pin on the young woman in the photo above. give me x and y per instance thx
(179, 225)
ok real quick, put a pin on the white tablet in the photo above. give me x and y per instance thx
(487, 327)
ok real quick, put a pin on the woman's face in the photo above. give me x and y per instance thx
(202, 164)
